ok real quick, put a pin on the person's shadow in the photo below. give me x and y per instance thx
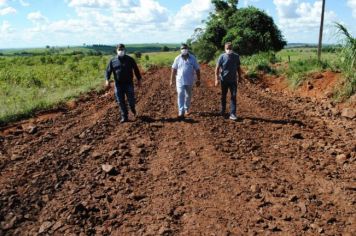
(254, 119)
(148, 119)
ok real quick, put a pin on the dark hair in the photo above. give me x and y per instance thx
(120, 46)
(184, 45)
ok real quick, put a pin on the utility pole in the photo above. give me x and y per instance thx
(321, 31)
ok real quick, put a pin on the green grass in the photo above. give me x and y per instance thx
(28, 84)
(259, 63)
(157, 59)
(297, 54)
(297, 71)
(89, 49)
(347, 58)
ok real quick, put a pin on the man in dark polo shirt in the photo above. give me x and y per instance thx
(228, 72)
(123, 66)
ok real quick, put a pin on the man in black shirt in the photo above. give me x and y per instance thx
(123, 66)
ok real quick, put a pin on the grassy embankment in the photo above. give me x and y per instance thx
(28, 84)
(298, 64)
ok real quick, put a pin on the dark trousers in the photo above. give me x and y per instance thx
(232, 86)
(123, 91)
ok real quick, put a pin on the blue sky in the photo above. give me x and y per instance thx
(36, 23)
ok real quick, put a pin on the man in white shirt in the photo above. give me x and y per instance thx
(183, 70)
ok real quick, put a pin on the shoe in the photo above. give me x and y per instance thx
(187, 113)
(232, 117)
(180, 116)
(134, 112)
(123, 120)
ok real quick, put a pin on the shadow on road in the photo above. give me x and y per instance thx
(147, 119)
(255, 119)
(280, 122)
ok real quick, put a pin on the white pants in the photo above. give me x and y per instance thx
(184, 98)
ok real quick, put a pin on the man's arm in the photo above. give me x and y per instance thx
(137, 72)
(108, 74)
(217, 72)
(173, 75)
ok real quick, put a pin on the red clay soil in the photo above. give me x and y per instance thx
(286, 167)
(318, 85)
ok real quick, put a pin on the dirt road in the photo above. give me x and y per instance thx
(286, 167)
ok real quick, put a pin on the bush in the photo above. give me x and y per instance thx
(249, 29)
(138, 55)
(165, 49)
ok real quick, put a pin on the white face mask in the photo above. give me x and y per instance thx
(120, 53)
(228, 51)
(184, 51)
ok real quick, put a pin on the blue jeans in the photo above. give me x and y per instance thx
(122, 91)
(225, 86)
(184, 98)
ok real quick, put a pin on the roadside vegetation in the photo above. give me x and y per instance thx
(249, 29)
(28, 84)
(347, 59)
(38, 79)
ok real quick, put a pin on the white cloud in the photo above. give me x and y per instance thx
(7, 10)
(191, 14)
(286, 8)
(24, 4)
(301, 20)
(5, 31)
(2, 2)
(101, 3)
(37, 17)
(352, 5)
(5, 27)
(250, 2)
(108, 21)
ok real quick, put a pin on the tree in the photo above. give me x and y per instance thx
(249, 29)
(165, 49)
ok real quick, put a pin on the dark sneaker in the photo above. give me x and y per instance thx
(232, 117)
(135, 114)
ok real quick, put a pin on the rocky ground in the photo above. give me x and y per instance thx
(286, 167)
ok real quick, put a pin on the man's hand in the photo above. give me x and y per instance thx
(107, 84)
(197, 83)
(216, 82)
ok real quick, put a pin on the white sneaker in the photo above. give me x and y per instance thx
(232, 117)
